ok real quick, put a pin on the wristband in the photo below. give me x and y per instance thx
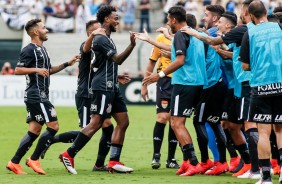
(161, 74)
(66, 64)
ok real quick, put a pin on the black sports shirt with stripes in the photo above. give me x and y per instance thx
(37, 87)
(85, 74)
(106, 70)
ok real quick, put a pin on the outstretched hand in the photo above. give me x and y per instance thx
(124, 78)
(142, 36)
(132, 38)
(75, 59)
(150, 79)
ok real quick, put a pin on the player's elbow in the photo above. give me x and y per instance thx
(246, 67)
(17, 71)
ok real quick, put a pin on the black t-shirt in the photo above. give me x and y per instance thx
(37, 87)
(144, 11)
(235, 35)
(85, 74)
(181, 42)
(105, 78)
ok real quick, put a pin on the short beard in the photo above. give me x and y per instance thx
(112, 28)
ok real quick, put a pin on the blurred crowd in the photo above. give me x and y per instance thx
(129, 10)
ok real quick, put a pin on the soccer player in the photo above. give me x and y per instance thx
(164, 89)
(34, 62)
(106, 98)
(242, 92)
(261, 54)
(189, 76)
(83, 99)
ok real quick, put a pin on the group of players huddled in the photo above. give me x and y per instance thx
(228, 76)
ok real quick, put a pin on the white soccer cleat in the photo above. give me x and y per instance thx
(250, 175)
(68, 162)
(115, 166)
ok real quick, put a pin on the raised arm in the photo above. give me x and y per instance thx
(120, 58)
(206, 39)
(88, 43)
(56, 69)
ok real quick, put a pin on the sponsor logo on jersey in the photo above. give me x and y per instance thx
(263, 117)
(213, 119)
(188, 112)
(278, 119)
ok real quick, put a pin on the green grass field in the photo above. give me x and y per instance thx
(137, 152)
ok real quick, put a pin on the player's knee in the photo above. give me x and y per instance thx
(163, 117)
(53, 125)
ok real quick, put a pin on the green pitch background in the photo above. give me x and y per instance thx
(137, 153)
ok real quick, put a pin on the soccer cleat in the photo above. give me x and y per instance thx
(218, 169)
(250, 175)
(102, 168)
(192, 170)
(264, 181)
(239, 167)
(115, 166)
(206, 165)
(245, 168)
(274, 163)
(184, 166)
(276, 170)
(35, 165)
(68, 162)
(156, 161)
(234, 163)
(16, 168)
(172, 164)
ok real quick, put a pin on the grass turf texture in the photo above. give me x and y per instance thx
(136, 153)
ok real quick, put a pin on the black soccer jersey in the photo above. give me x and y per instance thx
(235, 35)
(37, 89)
(85, 74)
(105, 77)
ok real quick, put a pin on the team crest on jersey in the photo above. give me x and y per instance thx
(93, 107)
(109, 109)
(43, 94)
(53, 112)
(110, 84)
(164, 104)
(39, 118)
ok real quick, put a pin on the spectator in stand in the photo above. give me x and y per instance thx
(191, 7)
(206, 2)
(93, 8)
(70, 8)
(168, 5)
(230, 6)
(129, 14)
(181, 3)
(7, 69)
(48, 9)
(83, 15)
(144, 8)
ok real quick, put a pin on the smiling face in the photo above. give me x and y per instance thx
(41, 30)
(209, 19)
(170, 23)
(222, 25)
(113, 21)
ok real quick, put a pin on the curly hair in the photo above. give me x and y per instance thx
(104, 11)
(31, 24)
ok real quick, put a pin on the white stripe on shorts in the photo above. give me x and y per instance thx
(202, 112)
(102, 104)
(242, 107)
(44, 112)
(84, 118)
(176, 104)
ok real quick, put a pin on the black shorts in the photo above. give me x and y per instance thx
(83, 108)
(184, 99)
(43, 112)
(164, 89)
(266, 110)
(244, 102)
(210, 106)
(106, 103)
(231, 108)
